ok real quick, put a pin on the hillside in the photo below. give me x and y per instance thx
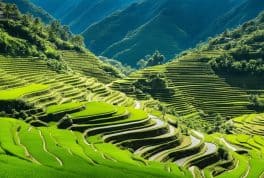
(125, 35)
(106, 132)
(80, 14)
(25, 6)
(215, 80)
(23, 35)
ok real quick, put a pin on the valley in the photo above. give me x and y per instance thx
(64, 112)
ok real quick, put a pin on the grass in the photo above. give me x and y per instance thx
(32, 140)
(8, 143)
(15, 93)
(63, 107)
(65, 153)
(47, 145)
(94, 109)
(239, 170)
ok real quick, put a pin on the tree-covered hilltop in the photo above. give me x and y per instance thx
(242, 49)
(23, 34)
(25, 6)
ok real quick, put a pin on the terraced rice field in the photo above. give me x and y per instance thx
(252, 124)
(192, 86)
(87, 64)
(107, 132)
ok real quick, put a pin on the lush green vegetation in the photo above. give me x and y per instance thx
(46, 149)
(151, 60)
(16, 93)
(28, 36)
(110, 139)
(95, 109)
(63, 107)
(203, 83)
(25, 6)
(185, 118)
(243, 49)
(125, 69)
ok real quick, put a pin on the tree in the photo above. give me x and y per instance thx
(25, 20)
(151, 60)
(142, 63)
(78, 40)
(7, 10)
(65, 33)
(55, 26)
(156, 59)
(11, 11)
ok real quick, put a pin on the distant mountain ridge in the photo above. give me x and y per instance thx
(80, 14)
(170, 26)
(128, 30)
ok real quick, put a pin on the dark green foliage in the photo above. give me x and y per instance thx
(243, 51)
(25, 35)
(155, 59)
(151, 84)
(125, 69)
(25, 6)
(111, 70)
(58, 66)
(77, 40)
(256, 103)
(227, 63)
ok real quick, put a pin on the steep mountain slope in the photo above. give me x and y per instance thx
(25, 6)
(57, 8)
(116, 37)
(236, 16)
(119, 24)
(23, 35)
(82, 13)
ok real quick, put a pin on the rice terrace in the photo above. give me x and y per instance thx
(131, 88)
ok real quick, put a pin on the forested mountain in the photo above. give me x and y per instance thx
(167, 25)
(80, 14)
(25, 6)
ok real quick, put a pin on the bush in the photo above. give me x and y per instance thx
(256, 103)
(151, 60)
(124, 69)
(151, 84)
(28, 36)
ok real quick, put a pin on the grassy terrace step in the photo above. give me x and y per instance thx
(85, 153)
(156, 130)
(122, 116)
(38, 72)
(87, 64)
(195, 84)
(16, 93)
(250, 124)
(245, 165)
(136, 144)
(94, 110)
